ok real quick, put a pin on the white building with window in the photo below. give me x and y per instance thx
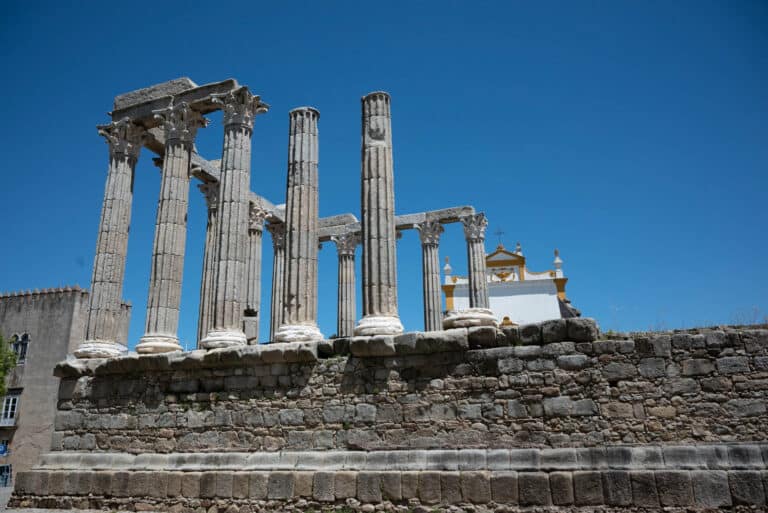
(516, 294)
(41, 327)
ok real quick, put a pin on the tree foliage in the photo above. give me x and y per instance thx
(7, 362)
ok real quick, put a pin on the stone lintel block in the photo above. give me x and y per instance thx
(524, 459)
(682, 457)
(322, 487)
(302, 484)
(534, 489)
(472, 459)
(376, 346)
(497, 459)
(442, 460)
(476, 487)
(582, 329)
(560, 459)
(617, 488)
(555, 330)
(710, 488)
(561, 484)
(746, 456)
(450, 487)
(591, 458)
(391, 486)
(644, 493)
(280, 485)
(409, 485)
(746, 487)
(480, 337)
(258, 483)
(504, 487)
(345, 485)
(674, 487)
(429, 487)
(369, 487)
(588, 488)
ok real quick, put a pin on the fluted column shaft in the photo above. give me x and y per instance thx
(211, 192)
(429, 232)
(240, 107)
(252, 312)
(299, 317)
(378, 220)
(474, 232)
(278, 265)
(180, 124)
(345, 311)
(104, 305)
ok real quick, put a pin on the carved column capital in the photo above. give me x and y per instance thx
(211, 192)
(346, 243)
(180, 122)
(278, 235)
(240, 107)
(124, 138)
(256, 216)
(429, 232)
(474, 227)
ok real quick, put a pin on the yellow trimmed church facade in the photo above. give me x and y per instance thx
(516, 294)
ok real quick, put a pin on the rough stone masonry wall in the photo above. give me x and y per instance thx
(536, 416)
(679, 387)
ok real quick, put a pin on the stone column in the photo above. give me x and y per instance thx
(104, 302)
(277, 230)
(211, 192)
(180, 124)
(346, 245)
(240, 108)
(299, 319)
(429, 232)
(378, 220)
(478, 313)
(253, 271)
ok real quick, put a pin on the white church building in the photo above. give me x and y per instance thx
(516, 295)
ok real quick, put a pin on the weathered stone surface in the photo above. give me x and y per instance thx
(561, 485)
(534, 489)
(369, 487)
(345, 484)
(674, 487)
(710, 489)
(644, 492)
(746, 487)
(450, 488)
(555, 330)
(617, 488)
(504, 487)
(588, 488)
(582, 329)
(429, 487)
(280, 485)
(476, 487)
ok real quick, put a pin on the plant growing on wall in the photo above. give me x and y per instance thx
(7, 362)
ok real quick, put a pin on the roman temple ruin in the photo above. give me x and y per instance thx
(466, 414)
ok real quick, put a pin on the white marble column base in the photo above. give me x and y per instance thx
(100, 349)
(223, 338)
(379, 325)
(298, 333)
(469, 318)
(154, 344)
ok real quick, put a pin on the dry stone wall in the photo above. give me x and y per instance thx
(541, 415)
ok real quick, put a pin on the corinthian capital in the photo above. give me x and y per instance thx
(474, 226)
(180, 122)
(429, 232)
(346, 243)
(256, 216)
(278, 235)
(240, 107)
(211, 192)
(124, 138)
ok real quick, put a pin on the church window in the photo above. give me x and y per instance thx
(20, 346)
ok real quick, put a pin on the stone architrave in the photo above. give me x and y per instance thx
(429, 232)
(380, 315)
(346, 245)
(478, 313)
(180, 124)
(240, 108)
(211, 192)
(253, 271)
(104, 306)
(277, 230)
(299, 316)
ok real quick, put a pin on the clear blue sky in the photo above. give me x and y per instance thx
(633, 136)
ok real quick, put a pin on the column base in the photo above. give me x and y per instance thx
(469, 318)
(99, 349)
(298, 333)
(217, 338)
(154, 344)
(379, 325)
